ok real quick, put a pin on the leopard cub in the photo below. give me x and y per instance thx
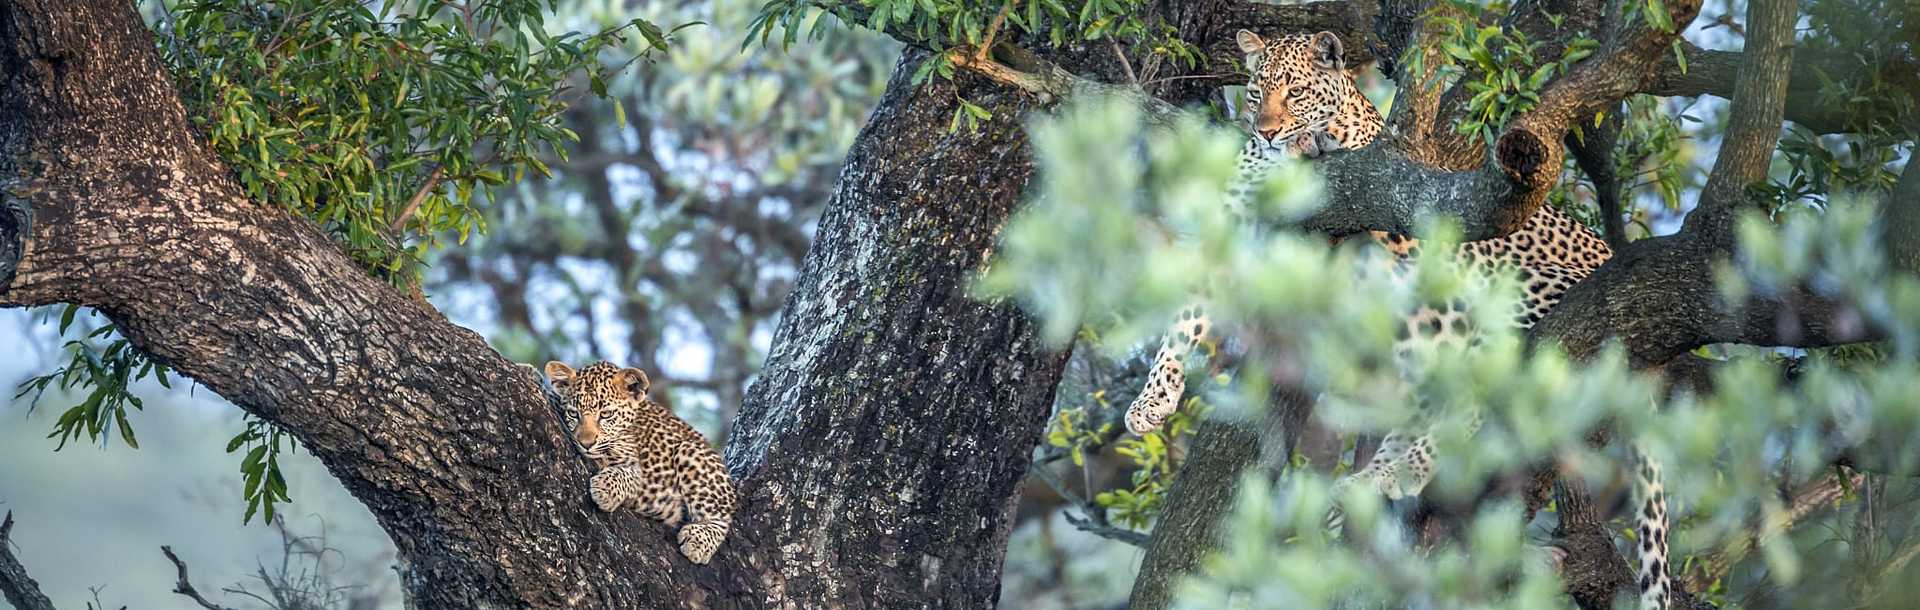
(644, 457)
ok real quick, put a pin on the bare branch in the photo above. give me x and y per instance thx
(183, 587)
(19, 589)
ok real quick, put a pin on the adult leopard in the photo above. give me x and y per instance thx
(1301, 100)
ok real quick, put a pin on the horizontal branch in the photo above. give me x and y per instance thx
(1712, 72)
(1660, 296)
(1661, 299)
(1388, 186)
(1381, 188)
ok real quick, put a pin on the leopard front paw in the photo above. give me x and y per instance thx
(603, 499)
(699, 541)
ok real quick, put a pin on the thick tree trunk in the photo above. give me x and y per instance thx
(878, 455)
(897, 415)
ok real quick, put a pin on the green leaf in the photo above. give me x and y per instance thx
(126, 431)
(66, 317)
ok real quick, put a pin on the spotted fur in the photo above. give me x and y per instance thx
(1302, 101)
(644, 457)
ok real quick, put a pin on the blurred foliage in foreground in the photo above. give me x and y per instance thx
(1157, 216)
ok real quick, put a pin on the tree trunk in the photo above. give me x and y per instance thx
(896, 415)
(1203, 493)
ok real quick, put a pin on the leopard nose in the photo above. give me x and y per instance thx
(1268, 134)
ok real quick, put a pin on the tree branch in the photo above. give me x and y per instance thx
(184, 587)
(1094, 520)
(1820, 495)
(419, 196)
(19, 589)
(1660, 295)
(16, 222)
(1713, 72)
(1900, 221)
(1753, 123)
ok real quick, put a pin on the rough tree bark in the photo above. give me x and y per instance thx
(897, 415)
(15, 586)
(878, 454)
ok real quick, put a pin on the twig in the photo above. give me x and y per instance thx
(1109, 532)
(419, 196)
(1167, 79)
(1125, 64)
(183, 587)
(1094, 522)
(993, 29)
(18, 588)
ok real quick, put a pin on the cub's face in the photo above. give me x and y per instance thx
(589, 392)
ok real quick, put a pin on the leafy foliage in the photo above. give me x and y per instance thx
(1653, 163)
(1154, 214)
(1501, 67)
(260, 469)
(1090, 425)
(950, 26)
(383, 127)
(1872, 40)
(107, 372)
(943, 24)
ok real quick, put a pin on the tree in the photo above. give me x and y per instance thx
(486, 506)
(1660, 299)
(879, 451)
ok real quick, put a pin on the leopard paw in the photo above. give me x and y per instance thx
(699, 541)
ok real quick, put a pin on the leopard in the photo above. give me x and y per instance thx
(644, 457)
(1301, 103)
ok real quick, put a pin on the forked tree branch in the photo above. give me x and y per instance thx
(1660, 295)
(184, 587)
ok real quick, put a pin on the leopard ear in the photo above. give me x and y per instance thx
(1251, 44)
(558, 372)
(1326, 51)
(636, 382)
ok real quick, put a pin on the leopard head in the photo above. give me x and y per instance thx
(590, 393)
(1298, 87)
